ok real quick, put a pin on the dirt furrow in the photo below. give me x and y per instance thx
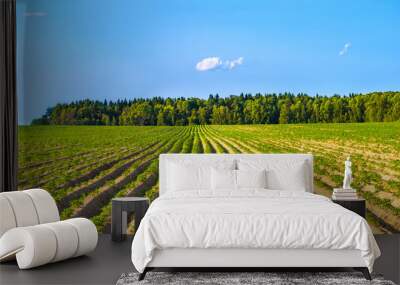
(94, 172)
(384, 181)
(96, 160)
(214, 145)
(376, 165)
(207, 147)
(376, 211)
(188, 143)
(244, 145)
(46, 162)
(217, 144)
(238, 145)
(138, 191)
(65, 201)
(235, 148)
(93, 205)
(197, 144)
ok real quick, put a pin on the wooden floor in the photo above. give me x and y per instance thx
(110, 260)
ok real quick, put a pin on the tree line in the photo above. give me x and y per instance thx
(283, 108)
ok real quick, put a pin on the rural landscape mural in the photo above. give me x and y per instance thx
(104, 94)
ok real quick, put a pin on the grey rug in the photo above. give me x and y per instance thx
(269, 278)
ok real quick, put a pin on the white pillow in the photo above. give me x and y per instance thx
(183, 178)
(193, 175)
(251, 178)
(223, 179)
(292, 177)
(281, 174)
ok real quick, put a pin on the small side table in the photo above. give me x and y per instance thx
(121, 207)
(355, 205)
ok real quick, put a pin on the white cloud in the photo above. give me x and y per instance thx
(233, 63)
(210, 63)
(345, 49)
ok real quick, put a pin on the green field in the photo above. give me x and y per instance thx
(84, 167)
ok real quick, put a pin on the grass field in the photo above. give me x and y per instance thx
(84, 167)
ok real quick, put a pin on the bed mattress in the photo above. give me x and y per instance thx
(250, 219)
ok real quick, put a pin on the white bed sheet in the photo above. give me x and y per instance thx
(250, 219)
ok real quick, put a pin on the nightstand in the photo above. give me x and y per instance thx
(355, 205)
(121, 207)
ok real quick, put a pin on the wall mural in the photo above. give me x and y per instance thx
(103, 91)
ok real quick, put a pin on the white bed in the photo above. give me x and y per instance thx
(249, 227)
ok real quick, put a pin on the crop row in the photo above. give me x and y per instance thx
(328, 168)
(85, 167)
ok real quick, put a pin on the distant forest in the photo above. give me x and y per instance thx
(236, 109)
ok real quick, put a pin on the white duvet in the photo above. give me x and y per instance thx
(250, 219)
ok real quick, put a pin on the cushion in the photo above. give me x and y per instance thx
(23, 208)
(7, 220)
(251, 178)
(223, 179)
(183, 177)
(45, 205)
(281, 175)
(87, 235)
(26, 208)
(188, 175)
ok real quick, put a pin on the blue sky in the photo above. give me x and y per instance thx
(75, 49)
